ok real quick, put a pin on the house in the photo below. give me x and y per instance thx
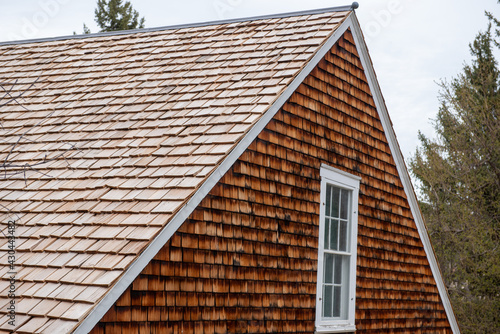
(239, 176)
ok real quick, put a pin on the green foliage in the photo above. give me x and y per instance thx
(495, 21)
(86, 29)
(459, 176)
(477, 315)
(114, 15)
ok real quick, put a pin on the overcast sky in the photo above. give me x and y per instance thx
(413, 43)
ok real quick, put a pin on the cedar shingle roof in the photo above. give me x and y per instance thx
(130, 126)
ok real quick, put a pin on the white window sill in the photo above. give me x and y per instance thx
(335, 329)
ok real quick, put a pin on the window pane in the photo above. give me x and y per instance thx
(334, 284)
(344, 204)
(343, 236)
(334, 235)
(337, 296)
(328, 268)
(338, 269)
(335, 202)
(327, 234)
(327, 301)
(328, 200)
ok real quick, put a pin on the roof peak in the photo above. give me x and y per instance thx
(345, 8)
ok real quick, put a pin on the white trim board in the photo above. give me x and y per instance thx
(164, 236)
(340, 179)
(401, 167)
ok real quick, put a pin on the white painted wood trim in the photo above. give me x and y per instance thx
(347, 329)
(348, 176)
(401, 167)
(342, 179)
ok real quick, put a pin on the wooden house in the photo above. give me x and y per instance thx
(238, 176)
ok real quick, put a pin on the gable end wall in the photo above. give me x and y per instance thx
(245, 261)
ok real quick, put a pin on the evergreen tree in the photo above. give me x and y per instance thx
(86, 29)
(114, 15)
(495, 21)
(459, 176)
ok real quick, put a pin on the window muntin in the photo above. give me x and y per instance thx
(336, 254)
(337, 251)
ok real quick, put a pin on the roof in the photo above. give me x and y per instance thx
(125, 133)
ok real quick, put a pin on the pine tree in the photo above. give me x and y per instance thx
(86, 30)
(113, 15)
(459, 176)
(495, 21)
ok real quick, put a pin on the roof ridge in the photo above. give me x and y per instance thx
(187, 25)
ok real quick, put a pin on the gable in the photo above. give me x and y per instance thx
(246, 258)
(132, 125)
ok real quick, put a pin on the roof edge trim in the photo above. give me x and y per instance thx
(184, 25)
(402, 170)
(166, 233)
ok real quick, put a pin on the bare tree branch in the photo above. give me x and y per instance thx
(9, 96)
(7, 166)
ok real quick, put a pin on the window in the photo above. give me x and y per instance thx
(335, 296)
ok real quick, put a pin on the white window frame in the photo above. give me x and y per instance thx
(344, 180)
